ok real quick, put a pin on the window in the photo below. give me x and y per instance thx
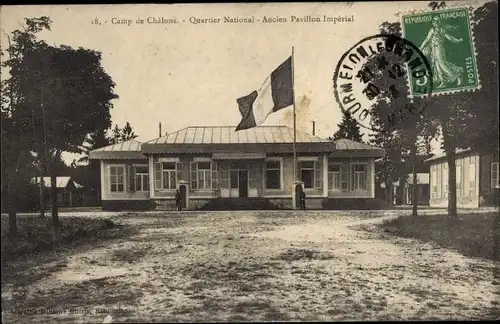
(117, 178)
(167, 174)
(234, 179)
(494, 175)
(445, 181)
(359, 176)
(334, 176)
(203, 175)
(307, 169)
(472, 175)
(434, 182)
(224, 175)
(138, 178)
(273, 175)
(459, 180)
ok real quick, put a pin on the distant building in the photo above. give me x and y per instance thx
(477, 179)
(69, 192)
(218, 164)
(403, 196)
(422, 189)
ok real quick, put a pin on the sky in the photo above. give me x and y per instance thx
(185, 74)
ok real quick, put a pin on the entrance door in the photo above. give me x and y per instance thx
(182, 193)
(243, 183)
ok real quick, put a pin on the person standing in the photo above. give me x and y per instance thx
(302, 200)
(178, 200)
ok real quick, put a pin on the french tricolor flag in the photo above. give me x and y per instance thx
(275, 94)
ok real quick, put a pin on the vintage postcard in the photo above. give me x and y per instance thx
(250, 162)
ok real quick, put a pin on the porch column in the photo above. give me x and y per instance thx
(151, 177)
(103, 179)
(325, 175)
(372, 175)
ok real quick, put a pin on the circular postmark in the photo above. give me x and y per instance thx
(376, 70)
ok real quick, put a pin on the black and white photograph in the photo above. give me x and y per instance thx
(250, 162)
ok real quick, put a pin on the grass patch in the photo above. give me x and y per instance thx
(36, 235)
(476, 235)
(103, 292)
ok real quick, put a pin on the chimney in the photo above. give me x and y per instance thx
(159, 128)
(314, 128)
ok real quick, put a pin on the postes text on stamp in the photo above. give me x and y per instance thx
(445, 38)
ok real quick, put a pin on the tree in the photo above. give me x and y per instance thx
(122, 134)
(16, 121)
(65, 91)
(483, 128)
(348, 128)
(398, 123)
(470, 119)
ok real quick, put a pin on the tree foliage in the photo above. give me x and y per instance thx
(348, 128)
(464, 119)
(53, 99)
(122, 134)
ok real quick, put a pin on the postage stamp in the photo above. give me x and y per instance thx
(377, 67)
(445, 38)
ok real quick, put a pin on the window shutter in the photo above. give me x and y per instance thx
(368, 176)
(158, 177)
(107, 178)
(318, 181)
(178, 167)
(439, 181)
(194, 175)
(131, 178)
(213, 167)
(353, 179)
(298, 173)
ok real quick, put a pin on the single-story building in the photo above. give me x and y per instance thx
(69, 193)
(217, 163)
(477, 179)
(422, 189)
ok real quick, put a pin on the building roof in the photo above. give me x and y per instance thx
(228, 135)
(347, 144)
(224, 139)
(126, 150)
(347, 148)
(218, 139)
(443, 155)
(61, 182)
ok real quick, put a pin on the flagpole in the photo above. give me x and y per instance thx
(294, 123)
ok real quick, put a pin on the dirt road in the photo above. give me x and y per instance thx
(254, 266)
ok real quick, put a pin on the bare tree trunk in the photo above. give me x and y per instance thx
(452, 186)
(53, 193)
(11, 203)
(390, 192)
(400, 198)
(42, 195)
(414, 194)
(449, 148)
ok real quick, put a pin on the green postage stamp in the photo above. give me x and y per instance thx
(445, 39)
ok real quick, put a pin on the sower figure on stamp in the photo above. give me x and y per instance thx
(178, 200)
(302, 200)
(433, 47)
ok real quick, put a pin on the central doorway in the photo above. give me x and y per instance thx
(243, 183)
(239, 183)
